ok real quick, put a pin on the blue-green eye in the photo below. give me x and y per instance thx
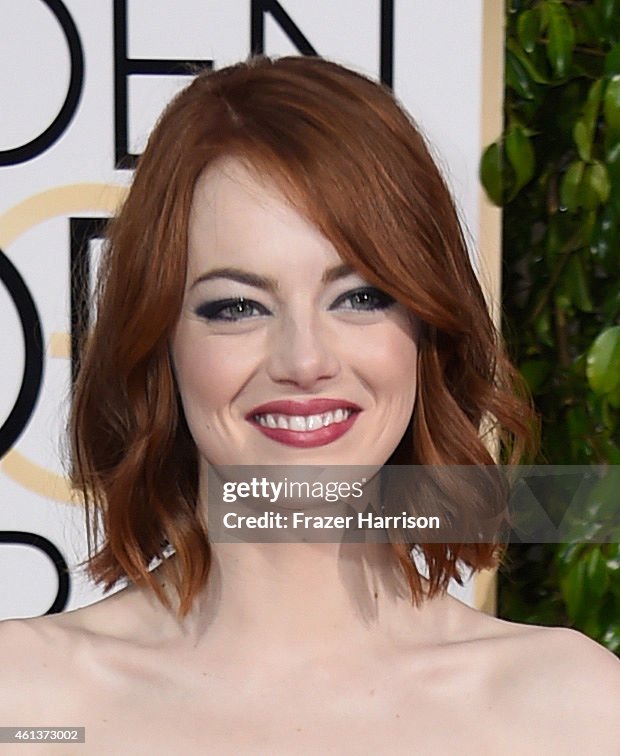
(230, 310)
(366, 299)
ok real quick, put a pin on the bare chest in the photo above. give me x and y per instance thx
(269, 726)
(138, 711)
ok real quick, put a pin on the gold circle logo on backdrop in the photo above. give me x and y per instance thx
(60, 200)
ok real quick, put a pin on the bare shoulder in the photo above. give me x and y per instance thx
(31, 656)
(543, 689)
(589, 672)
(556, 655)
(562, 688)
(25, 644)
(45, 660)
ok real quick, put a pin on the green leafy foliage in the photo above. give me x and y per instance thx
(556, 172)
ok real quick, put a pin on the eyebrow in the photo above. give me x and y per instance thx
(267, 283)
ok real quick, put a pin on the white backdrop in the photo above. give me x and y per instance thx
(77, 74)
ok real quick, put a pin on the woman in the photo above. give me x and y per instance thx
(287, 284)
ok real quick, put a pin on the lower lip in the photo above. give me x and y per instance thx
(306, 439)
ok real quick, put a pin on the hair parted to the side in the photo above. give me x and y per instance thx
(349, 158)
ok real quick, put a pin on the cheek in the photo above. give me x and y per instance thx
(209, 372)
(391, 363)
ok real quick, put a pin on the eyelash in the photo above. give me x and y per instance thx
(215, 310)
(382, 300)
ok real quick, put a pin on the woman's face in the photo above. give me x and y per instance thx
(282, 354)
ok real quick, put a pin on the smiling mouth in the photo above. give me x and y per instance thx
(303, 423)
(308, 430)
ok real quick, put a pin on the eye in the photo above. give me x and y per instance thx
(363, 300)
(230, 310)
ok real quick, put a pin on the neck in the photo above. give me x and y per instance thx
(306, 600)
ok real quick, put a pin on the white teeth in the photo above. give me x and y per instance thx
(302, 422)
(313, 422)
(297, 423)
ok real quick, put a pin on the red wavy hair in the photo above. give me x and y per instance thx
(349, 158)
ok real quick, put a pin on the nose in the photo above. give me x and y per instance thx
(302, 353)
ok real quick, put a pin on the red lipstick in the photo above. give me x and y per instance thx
(308, 438)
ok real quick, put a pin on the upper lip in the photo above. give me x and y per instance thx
(302, 407)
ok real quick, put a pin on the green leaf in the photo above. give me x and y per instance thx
(570, 185)
(581, 288)
(611, 637)
(612, 160)
(603, 238)
(521, 156)
(593, 103)
(573, 285)
(607, 10)
(579, 366)
(542, 328)
(603, 361)
(591, 23)
(528, 28)
(612, 61)
(611, 299)
(491, 172)
(594, 188)
(614, 203)
(535, 373)
(561, 38)
(596, 573)
(596, 177)
(614, 397)
(591, 625)
(569, 553)
(585, 128)
(544, 16)
(528, 62)
(583, 140)
(611, 454)
(611, 108)
(608, 416)
(517, 77)
(572, 586)
(603, 497)
(613, 560)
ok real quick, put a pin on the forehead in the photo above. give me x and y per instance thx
(240, 216)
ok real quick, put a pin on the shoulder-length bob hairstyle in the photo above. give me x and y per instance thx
(350, 159)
